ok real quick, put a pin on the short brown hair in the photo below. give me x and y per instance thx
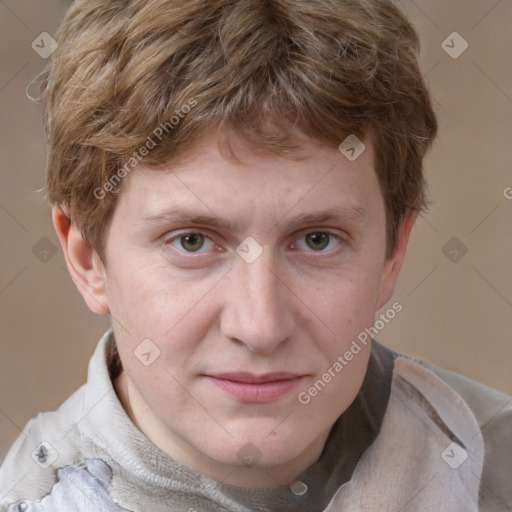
(265, 68)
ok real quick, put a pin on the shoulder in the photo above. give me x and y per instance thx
(47, 440)
(54, 439)
(492, 410)
(491, 407)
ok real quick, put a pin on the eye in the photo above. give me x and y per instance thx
(318, 241)
(191, 242)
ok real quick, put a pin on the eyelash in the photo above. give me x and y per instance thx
(187, 254)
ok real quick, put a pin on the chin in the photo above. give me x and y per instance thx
(257, 444)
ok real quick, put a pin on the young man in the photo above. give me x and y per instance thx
(235, 183)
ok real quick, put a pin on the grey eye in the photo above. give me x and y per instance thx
(23, 506)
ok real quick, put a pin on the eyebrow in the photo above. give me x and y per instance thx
(348, 213)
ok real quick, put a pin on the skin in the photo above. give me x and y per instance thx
(296, 308)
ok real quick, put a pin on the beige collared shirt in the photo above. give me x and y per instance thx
(417, 438)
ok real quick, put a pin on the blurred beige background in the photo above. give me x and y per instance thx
(456, 287)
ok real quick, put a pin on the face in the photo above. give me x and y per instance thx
(246, 280)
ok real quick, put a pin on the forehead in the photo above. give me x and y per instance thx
(210, 180)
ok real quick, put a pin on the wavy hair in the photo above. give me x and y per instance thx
(269, 69)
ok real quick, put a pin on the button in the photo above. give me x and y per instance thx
(298, 488)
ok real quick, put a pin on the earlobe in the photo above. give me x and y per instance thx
(393, 263)
(83, 263)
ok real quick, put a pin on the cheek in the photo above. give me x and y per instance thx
(331, 392)
(347, 304)
(150, 301)
(350, 309)
(164, 317)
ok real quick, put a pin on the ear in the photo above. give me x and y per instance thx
(393, 263)
(84, 264)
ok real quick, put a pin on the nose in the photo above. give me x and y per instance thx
(259, 309)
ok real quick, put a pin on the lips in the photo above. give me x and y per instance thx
(248, 387)
(250, 378)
